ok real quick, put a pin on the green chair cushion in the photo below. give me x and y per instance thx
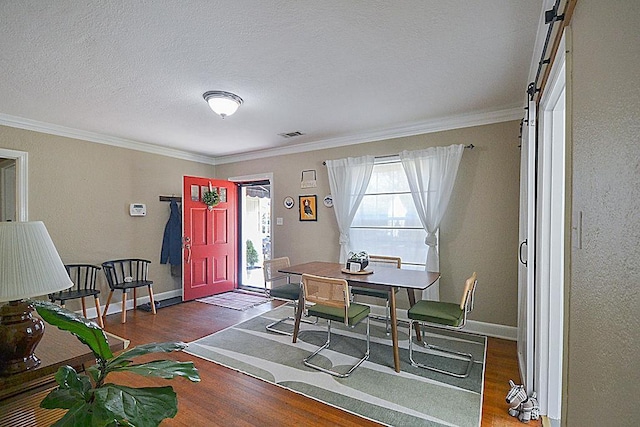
(289, 292)
(369, 292)
(442, 313)
(356, 313)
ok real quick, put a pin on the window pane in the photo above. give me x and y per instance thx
(388, 178)
(388, 203)
(387, 210)
(407, 244)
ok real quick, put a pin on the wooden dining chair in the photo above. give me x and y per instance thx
(83, 277)
(124, 275)
(444, 315)
(331, 301)
(279, 286)
(383, 261)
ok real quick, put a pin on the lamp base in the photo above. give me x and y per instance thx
(20, 333)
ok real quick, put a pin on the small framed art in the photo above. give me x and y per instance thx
(308, 208)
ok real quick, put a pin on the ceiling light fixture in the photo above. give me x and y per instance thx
(222, 103)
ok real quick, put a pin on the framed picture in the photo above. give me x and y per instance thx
(308, 208)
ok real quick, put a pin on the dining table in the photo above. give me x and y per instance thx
(386, 278)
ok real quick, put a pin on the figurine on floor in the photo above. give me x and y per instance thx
(520, 405)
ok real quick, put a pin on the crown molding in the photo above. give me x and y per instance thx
(48, 128)
(419, 128)
(450, 123)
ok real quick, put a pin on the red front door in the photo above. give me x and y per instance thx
(209, 238)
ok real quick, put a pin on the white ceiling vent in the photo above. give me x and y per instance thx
(291, 134)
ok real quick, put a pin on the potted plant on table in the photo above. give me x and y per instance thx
(90, 400)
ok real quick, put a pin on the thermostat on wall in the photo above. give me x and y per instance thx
(137, 209)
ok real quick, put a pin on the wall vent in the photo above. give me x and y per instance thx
(291, 134)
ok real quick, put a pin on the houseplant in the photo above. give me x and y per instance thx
(90, 400)
(252, 254)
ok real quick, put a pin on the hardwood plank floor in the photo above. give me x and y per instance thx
(227, 398)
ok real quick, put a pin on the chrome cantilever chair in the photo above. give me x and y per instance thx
(273, 281)
(384, 261)
(331, 299)
(444, 315)
(83, 277)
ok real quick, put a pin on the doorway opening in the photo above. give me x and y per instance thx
(254, 232)
(14, 171)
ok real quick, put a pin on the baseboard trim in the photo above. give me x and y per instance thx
(116, 307)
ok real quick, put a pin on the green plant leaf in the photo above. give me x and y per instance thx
(140, 407)
(166, 369)
(79, 415)
(86, 330)
(124, 359)
(73, 389)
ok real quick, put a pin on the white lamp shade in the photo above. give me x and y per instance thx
(29, 262)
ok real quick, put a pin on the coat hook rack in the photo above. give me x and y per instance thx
(170, 199)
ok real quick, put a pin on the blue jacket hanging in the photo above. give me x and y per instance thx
(172, 241)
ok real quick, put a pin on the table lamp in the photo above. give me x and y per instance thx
(29, 266)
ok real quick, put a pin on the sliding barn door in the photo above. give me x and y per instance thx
(526, 251)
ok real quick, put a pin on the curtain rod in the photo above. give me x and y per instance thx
(470, 147)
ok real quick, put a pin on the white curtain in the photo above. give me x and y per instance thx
(348, 180)
(431, 174)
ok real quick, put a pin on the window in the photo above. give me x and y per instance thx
(387, 222)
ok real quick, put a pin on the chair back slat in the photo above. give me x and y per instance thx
(271, 274)
(326, 291)
(117, 270)
(385, 261)
(83, 277)
(466, 303)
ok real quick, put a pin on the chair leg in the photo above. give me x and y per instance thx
(151, 300)
(326, 345)
(135, 298)
(466, 357)
(387, 324)
(84, 307)
(106, 307)
(271, 327)
(123, 317)
(99, 318)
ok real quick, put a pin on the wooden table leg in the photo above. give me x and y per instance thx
(300, 309)
(394, 329)
(412, 300)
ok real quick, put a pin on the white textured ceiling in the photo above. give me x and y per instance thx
(332, 69)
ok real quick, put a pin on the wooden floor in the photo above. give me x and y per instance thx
(227, 398)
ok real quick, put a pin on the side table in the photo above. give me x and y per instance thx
(21, 394)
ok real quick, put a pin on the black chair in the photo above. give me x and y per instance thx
(125, 274)
(380, 261)
(83, 277)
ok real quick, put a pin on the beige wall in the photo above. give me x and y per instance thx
(479, 234)
(82, 191)
(603, 361)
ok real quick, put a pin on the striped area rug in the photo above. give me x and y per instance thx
(237, 300)
(413, 397)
